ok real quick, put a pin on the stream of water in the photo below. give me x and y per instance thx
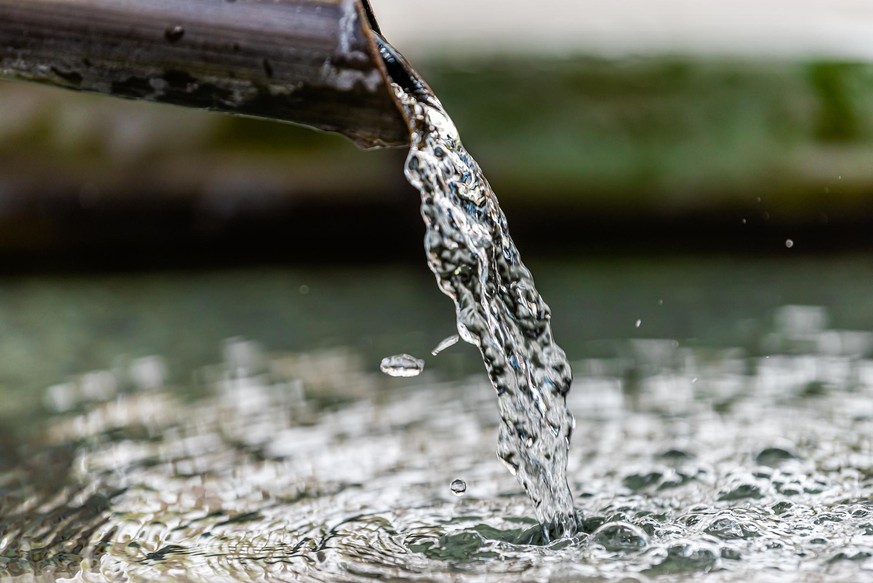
(498, 309)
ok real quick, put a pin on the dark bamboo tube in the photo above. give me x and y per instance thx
(312, 62)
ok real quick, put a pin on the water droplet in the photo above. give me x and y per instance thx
(174, 33)
(402, 365)
(743, 221)
(304, 290)
(789, 243)
(639, 323)
(446, 343)
(459, 487)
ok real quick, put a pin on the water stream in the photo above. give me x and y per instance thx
(498, 308)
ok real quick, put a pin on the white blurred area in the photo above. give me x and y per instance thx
(775, 28)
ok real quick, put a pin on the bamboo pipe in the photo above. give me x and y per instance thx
(311, 62)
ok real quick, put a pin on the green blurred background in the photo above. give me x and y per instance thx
(735, 143)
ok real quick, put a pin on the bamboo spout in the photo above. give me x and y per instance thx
(312, 62)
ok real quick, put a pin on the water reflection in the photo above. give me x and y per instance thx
(688, 459)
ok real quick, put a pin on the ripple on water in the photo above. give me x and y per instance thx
(320, 470)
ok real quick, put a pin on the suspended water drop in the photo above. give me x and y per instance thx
(402, 365)
(458, 487)
(639, 323)
(789, 243)
(174, 33)
(446, 343)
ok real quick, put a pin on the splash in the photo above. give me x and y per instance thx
(498, 307)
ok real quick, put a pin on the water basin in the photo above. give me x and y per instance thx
(249, 435)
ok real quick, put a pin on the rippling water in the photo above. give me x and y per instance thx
(689, 459)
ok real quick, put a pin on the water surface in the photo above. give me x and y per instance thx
(730, 434)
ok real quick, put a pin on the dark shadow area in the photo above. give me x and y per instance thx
(120, 238)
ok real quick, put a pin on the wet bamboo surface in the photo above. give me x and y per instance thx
(311, 62)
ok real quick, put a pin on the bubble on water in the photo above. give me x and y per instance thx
(741, 491)
(148, 372)
(620, 536)
(688, 556)
(851, 554)
(242, 356)
(446, 343)
(98, 385)
(61, 397)
(459, 487)
(674, 455)
(774, 457)
(641, 481)
(402, 365)
(725, 528)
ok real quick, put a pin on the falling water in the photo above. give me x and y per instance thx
(498, 308)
